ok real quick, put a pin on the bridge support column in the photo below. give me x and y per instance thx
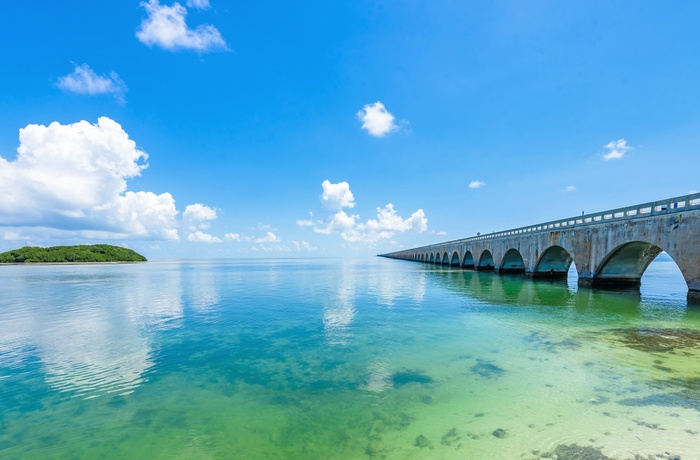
(552, 274)
(483, 268)
(694, 296)
(693, 285)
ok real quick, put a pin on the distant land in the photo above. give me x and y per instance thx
(71, 254)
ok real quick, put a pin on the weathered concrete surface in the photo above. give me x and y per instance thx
(609, 249)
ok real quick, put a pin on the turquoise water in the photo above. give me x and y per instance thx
(342, 359)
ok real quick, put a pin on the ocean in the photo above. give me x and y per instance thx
(342, 359)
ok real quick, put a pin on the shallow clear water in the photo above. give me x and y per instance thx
(341, 359)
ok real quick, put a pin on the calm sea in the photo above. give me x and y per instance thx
(338, 359)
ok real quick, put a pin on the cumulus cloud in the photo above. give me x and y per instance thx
(198, 212)
(201, 237)
(376, 119)
(349, 227)
(340, 222)
(166, 26)
(199, 4)
(476, 184)
(198, 216)
(388, 219)
(232, 237)
(305, 223)
(84, 80)
(71, 180)
(337, 196)
(569, 188)
(141, 214)
(616, 149)
(269, 238)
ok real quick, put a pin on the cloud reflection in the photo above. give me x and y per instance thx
(89, 326)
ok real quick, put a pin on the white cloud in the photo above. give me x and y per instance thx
(166, 27)
(337, 196)
(269, 238)
(232, 237)
(198, 216)
(476, 184)
(347, 226)
(616, 149)
(84, 80)
(339, 223)
(71, 181)
(141, 214)
(13, 236)
(272, 248)
(201, 237)
(569, 188)
(388, 219)
(376, 119)
(199, 4)
(303, 246)
(199, 212)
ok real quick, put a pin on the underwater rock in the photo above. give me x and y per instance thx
(407, 376)
(422, 441)
(500, 433)
(576, 452)
(658, 340)
(653, 426)
(539, 340)
(487, 369)
(450, 437)
(688, 398)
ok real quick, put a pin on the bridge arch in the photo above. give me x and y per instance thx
(512, 262)
(485, 261)
(455, 259)
(445, 259)
(625, 265)
(468, 260)
(432, 258)
(554, 262)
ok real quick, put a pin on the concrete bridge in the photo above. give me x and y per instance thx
(609, 249)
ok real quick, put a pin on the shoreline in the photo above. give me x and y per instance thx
(74, 263)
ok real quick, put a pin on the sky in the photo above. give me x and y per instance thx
(219, 129)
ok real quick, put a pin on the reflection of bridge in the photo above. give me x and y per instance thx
(611, 248)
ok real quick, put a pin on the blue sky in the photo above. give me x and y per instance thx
(285, 129)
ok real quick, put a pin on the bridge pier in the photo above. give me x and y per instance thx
(551, 274)
(483, 268)
(510, 271)
(610, 283)
(694, 297)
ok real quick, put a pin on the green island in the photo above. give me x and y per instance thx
(71, 254)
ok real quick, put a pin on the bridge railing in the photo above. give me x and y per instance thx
(668, 206)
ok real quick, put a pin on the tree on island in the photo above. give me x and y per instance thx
(83, 253)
